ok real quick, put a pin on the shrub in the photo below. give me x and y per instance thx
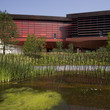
(102, 49)
(59, 46)
(70, 48)
(34, 46)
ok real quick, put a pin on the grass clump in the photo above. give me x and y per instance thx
(11, 69)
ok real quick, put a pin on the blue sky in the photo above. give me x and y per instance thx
(53, 7)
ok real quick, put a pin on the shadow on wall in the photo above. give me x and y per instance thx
(63, 32)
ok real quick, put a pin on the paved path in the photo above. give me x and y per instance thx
(74, 68)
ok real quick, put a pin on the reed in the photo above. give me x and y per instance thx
(17, 67)
(11, 68)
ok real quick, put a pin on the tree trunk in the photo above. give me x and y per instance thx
(3, 49)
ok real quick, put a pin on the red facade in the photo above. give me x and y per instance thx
(84, 30)
(42, 28)
(53, 31)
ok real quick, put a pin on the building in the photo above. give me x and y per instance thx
(87, 31)
(53, 28)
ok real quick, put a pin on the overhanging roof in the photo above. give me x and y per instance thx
(40, 18)
(82, 39)
(88, 42)
(87, 14)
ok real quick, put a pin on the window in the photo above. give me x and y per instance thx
(54, 36)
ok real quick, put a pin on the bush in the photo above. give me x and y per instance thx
(102, 49)
(59, 46)
(70, 48)
(34, 46)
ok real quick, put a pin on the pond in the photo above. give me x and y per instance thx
(53, 93)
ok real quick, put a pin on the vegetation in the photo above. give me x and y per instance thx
(59, 46)
(34, 46)
(102, 49)
(18, 67)
(108, 42)
(29, 99)
(11, 68)
(74, 59)
(8, 30)
(107, 48)
(70, 48)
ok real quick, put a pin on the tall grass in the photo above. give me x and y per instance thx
(17, 67)
(13, 68)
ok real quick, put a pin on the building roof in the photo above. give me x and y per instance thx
(40, 18)
(87, 14)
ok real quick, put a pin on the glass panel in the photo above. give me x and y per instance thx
(54, 36)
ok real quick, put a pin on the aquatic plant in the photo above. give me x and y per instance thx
(29, 99)
(11, 69)
(15, 67)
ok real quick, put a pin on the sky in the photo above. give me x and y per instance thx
(53, 7)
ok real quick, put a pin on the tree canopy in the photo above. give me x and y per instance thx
(8, 29)
(108, 42)
(59, 46)
(34, 46)
(70, 48)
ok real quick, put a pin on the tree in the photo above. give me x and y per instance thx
(34, 46)
(108, 42)
(27, 45)
(70, 48)
(8, 30)
(59, 46)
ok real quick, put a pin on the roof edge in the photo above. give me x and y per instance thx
(40, 18)
(83, 14)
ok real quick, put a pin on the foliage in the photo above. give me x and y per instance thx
(108, 42)
(34, 46)
(59, 46)
(8, 29)
(29, 99)
(15, 67)
(12, 69)
(102, 49)
(54, 50)
(70, 48)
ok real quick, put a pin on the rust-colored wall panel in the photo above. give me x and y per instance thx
(42, 28)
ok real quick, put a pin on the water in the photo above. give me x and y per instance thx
(53, 93)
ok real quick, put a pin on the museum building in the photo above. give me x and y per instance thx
(87, 31)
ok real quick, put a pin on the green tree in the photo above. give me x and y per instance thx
(8, 30)
(27, 45)
(70, 48)
(34, 46)
(108, 42)
(59, 46)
